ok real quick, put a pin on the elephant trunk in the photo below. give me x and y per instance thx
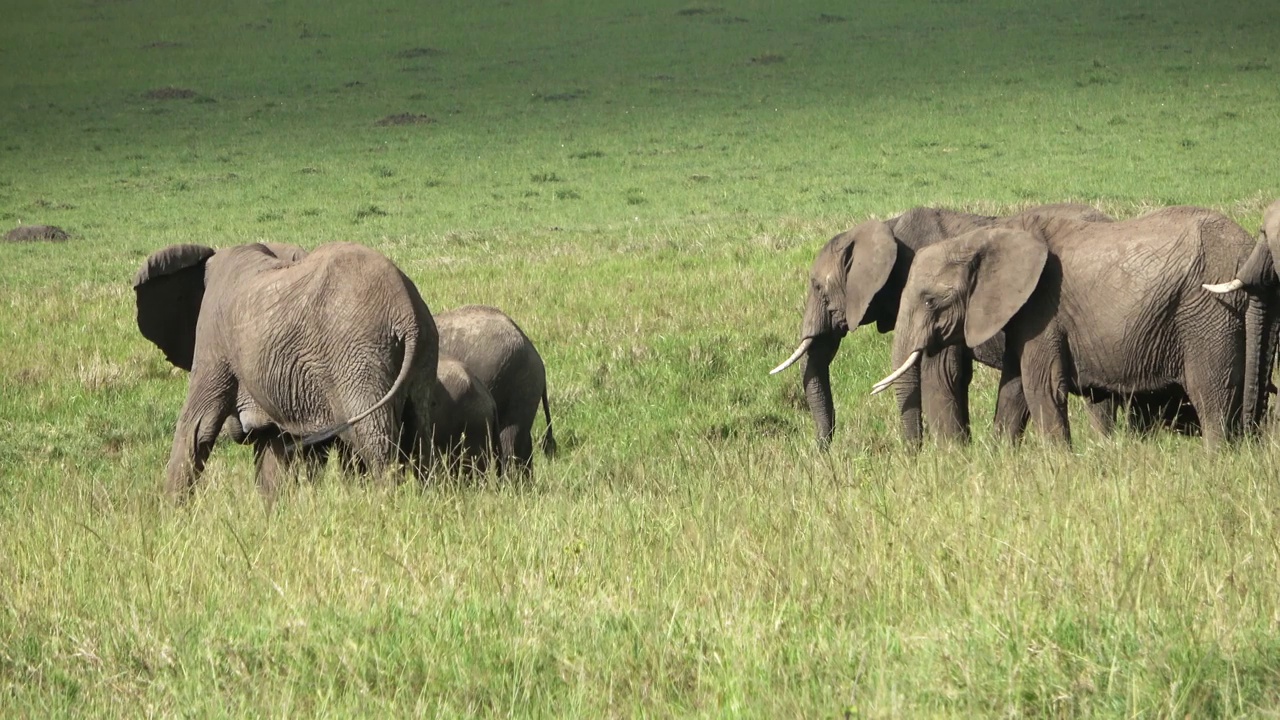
(907, 356)
(1260, 318)
(817, 386)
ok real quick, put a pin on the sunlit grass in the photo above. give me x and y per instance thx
(643, 189)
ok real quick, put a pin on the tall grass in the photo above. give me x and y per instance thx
(642, 188)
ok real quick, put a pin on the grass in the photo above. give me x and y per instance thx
(643, 189)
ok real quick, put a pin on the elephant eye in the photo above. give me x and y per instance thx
(929, 302)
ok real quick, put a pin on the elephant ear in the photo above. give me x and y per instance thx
(169, 288)
(1007, 269)
(871, 256)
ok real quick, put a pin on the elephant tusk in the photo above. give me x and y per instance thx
(1225, 287)
(800, 351)
(893, 376)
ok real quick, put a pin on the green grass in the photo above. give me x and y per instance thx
(643, 188)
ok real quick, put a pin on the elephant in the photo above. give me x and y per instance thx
(498, 354)
(1093, 308)
(319, 346)
(1259, 277)
(464, 428)
(858, 278)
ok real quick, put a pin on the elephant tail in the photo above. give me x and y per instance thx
(406, 368)
(548, 438)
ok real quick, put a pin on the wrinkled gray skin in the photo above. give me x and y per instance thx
(498, 354)
(464, 429)
(1258, 277)
(329, 344)
(1094, 308)
(857, 279)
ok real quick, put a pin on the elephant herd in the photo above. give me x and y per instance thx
(1171, 317)
(296, 353)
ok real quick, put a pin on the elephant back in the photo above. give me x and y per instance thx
(496, 351)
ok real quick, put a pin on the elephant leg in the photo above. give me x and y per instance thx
(415, 443)
(1011, 401)
(1144, 417)
(272, 465)
(517, 447)
(375, 442)
(944, 393)
(480, 450)
(313, 459)
(1102, 414)
(1046, 392)
(492, 447)
(209, 402)
(1218, 406)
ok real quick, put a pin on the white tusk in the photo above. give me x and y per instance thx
(800, 351)
(893, 376)
(1225, 287)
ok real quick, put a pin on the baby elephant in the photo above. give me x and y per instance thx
(465, 430)
(498, 357)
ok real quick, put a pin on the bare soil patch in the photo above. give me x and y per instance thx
(569, 96)
(418, 52)
(36, 233)
(405, 119)
(169, 93)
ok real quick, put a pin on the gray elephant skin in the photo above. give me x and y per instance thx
(1086, 308)
(1259, 277)
(498, 355)
(464, 428)
(857, 279)
(330, 344)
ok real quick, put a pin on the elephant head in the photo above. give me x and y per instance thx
(1259, 269)
(964, 290)
(847, 276)
(170, 288)
(1258, 277)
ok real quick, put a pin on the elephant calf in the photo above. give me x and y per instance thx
(464, 431)
(331, 344)
(498, 356)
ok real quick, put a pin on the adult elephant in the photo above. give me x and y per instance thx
(498, 354)
(1087, 308)
(330, 344)
(857, 279)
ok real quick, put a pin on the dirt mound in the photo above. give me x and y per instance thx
(405, 119)
(36, 233)
(418, 52)
(169, 93)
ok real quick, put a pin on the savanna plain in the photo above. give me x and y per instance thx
(642, 185)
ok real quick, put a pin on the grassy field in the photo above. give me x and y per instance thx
(642, 186)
